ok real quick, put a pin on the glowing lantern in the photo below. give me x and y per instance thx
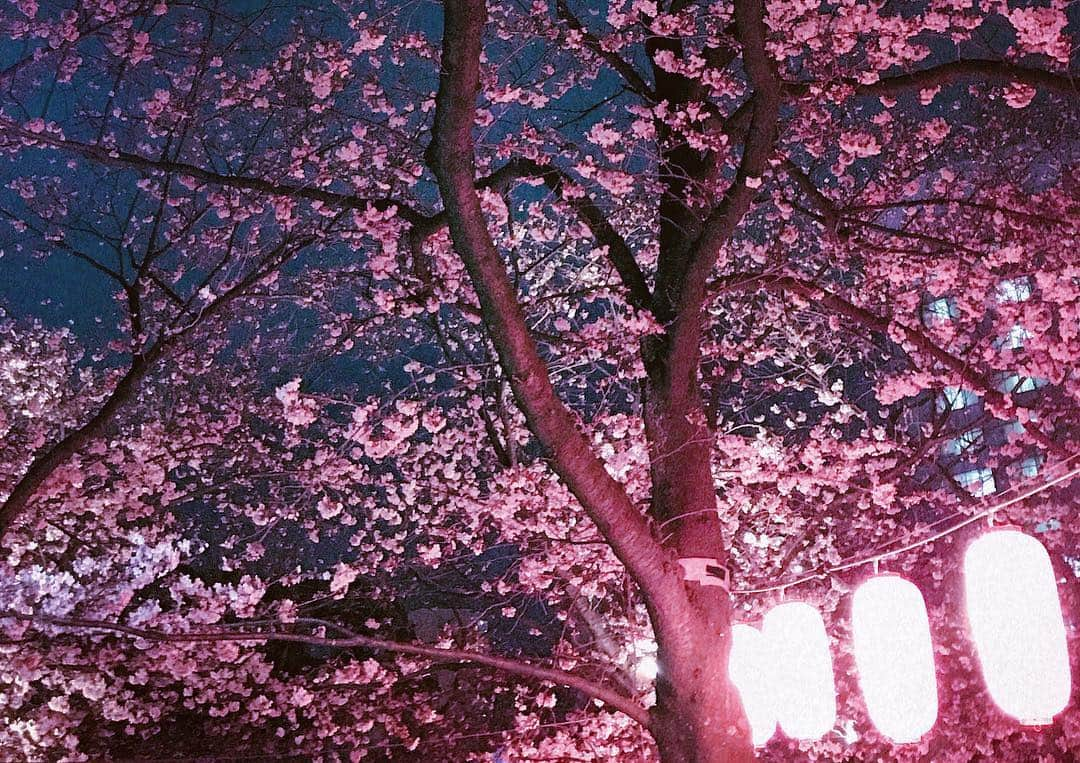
(804, 692)
(894, 656)
(750, 672)
(1015, 617)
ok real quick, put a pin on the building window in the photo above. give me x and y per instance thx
(956, 399)
(1014, 290)
(939, 311)
(1049, 525)
(1015, 339)
(1013, 383)
(1029, 467)
(1013, 428)
(978, 482)
(969, 441)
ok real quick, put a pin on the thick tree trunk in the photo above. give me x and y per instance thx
(680, 464)
(698, 717)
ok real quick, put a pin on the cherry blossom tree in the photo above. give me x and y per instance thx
(460, 349)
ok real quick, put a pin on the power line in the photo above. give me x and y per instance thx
(824, 573)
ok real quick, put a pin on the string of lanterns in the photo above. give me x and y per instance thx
(784, 672)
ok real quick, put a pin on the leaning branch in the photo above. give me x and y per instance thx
(423, 225)
(553, 424)
(618, 251)
(629, 74)
(831, 213)
(56, 455)
(999, 72)
(609, 697)
(48, 461)
(949, 201)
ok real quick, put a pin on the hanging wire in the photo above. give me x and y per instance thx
(824, 573)
(880, 547)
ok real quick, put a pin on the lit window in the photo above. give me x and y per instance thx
(978, 482)
(1029, 467)
(1015, 339)
(1013, 428)
(1012, 383)
(1049, 525)
(1014, 290)
(939, 311)
(956, 399)
(968, 441)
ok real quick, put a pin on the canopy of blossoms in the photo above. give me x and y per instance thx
(395, 380)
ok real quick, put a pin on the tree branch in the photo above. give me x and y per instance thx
(609, 697)
(622, 258)
(629, 74)
(997, 72)
(58, 454)
(837, 304)
(722, 222)
(944, 201)
(423, 225)
(554, 425)
(829, 212)
(1000, 72)
(49, 461)
(116, 158)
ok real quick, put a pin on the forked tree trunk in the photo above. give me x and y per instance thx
(697, 717)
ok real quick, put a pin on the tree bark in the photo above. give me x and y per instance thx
(553, 424)
(697, 717)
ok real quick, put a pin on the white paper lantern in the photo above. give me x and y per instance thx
(894, 657)
(1015, 617)
(750, 671)
(804, 690)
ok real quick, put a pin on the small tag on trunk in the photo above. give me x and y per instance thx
(705, 571)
